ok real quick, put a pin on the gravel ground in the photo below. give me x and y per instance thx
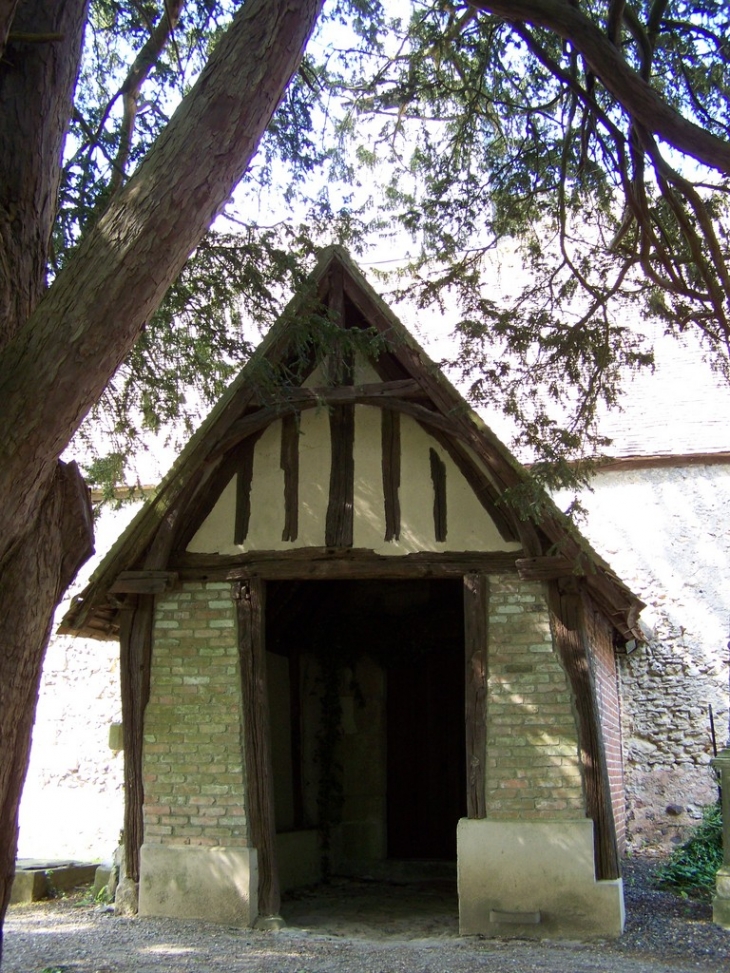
(360, 927)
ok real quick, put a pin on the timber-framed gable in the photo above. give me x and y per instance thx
(356, 501)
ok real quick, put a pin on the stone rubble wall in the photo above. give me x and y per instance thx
(666, 533)
(73, 801)
(72, 804)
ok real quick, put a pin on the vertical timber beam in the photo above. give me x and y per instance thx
(569, 633)
(438, 478)
(244, 479)
(476, 601)
(135, 663)
(249, 596)
(390, 439)
(339, 525)
(290, 465)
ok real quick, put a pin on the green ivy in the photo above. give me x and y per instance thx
(693, 866)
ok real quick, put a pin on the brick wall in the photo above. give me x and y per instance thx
(603, 661)
(533, 769)
(193, 757)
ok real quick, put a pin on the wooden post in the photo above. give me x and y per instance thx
(476, 600)
(569, 633)
(134, 671)
(249, 596)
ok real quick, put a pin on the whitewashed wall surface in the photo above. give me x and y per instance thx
(666, 532)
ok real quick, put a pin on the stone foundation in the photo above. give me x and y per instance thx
(187, 882)
(535, 880)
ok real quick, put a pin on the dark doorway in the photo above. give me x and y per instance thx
(414, 632)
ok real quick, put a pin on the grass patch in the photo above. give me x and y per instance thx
(692, 868)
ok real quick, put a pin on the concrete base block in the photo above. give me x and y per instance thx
(535, 880)
(30, 886)
(187, 882)
(721, 901)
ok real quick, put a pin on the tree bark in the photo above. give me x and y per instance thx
(636, 97)
(33, 580)
(56, 367)
(36, 94)
(58, 350)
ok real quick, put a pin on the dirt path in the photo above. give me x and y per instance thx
(358, 927)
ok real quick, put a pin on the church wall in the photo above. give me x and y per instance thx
(665, 531)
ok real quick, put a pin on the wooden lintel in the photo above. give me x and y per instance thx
(144, 583)
(547, 568)
(322, 562)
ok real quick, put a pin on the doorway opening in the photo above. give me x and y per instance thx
(366, 694)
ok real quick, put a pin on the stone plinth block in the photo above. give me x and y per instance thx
(187, 882)
(534, 880)
(721, 901)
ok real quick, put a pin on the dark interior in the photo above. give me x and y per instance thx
(415, 631)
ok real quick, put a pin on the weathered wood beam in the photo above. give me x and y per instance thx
(570, 638)
(547, 568)
(451, 407)
(391, 450)
(249, 597)
(289, 463)
(476, 600)
(144, 583)
(479, 482)
(339, 523)
(293, 400)
(244, 481)
(308, 562)
(438, 479)
(134, 672)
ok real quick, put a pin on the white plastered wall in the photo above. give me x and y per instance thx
(469, 526)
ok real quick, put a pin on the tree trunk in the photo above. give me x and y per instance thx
(33, 580)
(57, 366)
(58, 351)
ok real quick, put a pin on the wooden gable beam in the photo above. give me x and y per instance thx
(391, 463)
(445, 400)
(289, 463)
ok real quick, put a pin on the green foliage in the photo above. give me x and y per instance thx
(693, 867)
(508, 158)
(545, 219)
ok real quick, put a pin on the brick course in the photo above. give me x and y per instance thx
(533, 771)
(193, 756)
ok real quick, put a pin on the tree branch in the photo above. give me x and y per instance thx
(635, 96)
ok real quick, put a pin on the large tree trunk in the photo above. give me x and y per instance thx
(56, 367)
(58, 350)
(33, 580)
